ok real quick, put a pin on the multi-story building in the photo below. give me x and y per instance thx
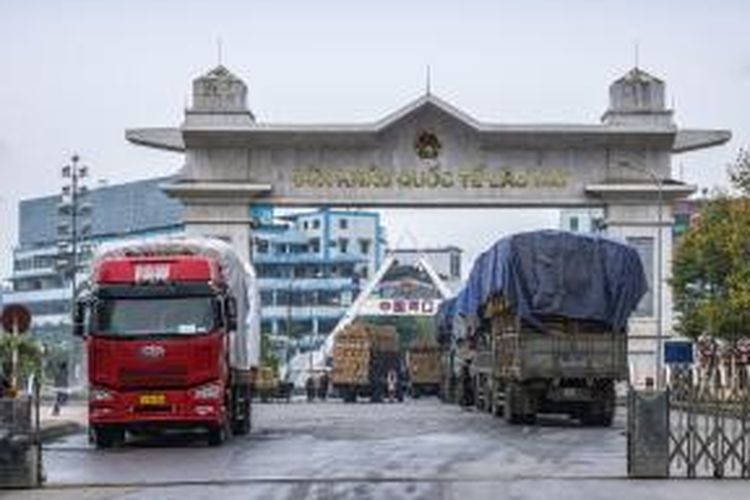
(131, 210)
(311, 267)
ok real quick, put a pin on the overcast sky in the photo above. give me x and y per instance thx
(75, 75)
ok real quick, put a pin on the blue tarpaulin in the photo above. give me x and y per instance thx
(542, 273)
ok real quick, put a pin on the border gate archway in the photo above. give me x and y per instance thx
(431, 154)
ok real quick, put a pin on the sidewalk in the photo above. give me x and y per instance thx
(73, 418)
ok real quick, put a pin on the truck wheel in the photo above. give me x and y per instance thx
(601, 412)
(376, 396)
(608, 403)
(509, 408)
(241, 420)
(519, 407)
(106, 437)
(497, 399)
(242, 424)
(217, 435)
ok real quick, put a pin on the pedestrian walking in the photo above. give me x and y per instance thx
(392, 385)
(467, 384)
(61, 388)
(4, 384)
(310, 388)
(323, 383)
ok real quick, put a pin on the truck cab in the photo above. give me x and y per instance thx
(159, 338)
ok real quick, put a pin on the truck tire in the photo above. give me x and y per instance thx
(376, 393)
(601, 412)
(107, 437)
(349, 395)
(217, 434)
(519, 407)
(242, 415)
(509, 408)
(498, 407)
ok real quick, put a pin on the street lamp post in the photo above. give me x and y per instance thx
(74, 225)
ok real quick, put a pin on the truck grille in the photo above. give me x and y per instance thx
(174, 376)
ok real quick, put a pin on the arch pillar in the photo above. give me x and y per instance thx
(632, 215)
(228, 222)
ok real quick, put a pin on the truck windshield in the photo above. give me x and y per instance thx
(154, 316)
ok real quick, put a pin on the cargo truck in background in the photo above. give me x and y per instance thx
(172, 331)
(544, 326)
(364, 356)
(423, 362)
(567, 366)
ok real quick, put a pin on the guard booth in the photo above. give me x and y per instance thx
(20, 443)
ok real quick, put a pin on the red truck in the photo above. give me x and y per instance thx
(172, 331)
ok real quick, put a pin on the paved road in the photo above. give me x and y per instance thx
(417, 450)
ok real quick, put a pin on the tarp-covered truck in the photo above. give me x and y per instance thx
(363, 357)
(173, 338)
(423, 360)
(546, 315)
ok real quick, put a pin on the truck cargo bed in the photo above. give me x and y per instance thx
(583, 355)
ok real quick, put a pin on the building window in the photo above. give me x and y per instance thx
(305, 225)
(23, 264)
(261, 246)
(266, 298)
(343, 245)
(574, 224)
(343, 223)
(364, 246)
(315, 245)
(316, 223)
(645, 248)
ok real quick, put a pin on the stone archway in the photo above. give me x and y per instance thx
(431, 154)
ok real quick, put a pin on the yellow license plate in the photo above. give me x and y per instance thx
(152, 399)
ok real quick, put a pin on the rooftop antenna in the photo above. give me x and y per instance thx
(219, 50)
(428, 81)
(636, 54)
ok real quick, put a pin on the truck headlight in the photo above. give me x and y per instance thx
(100, 394)
(208, 391)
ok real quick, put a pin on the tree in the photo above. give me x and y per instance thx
(711, 274)
(739, 172)
(29, 355)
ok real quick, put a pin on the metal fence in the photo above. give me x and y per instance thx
(709, 421)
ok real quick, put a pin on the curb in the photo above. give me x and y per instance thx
(59, 430)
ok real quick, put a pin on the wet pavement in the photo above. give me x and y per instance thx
(416, 450)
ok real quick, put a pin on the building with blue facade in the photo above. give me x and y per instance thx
(310, 265)
(125, 211)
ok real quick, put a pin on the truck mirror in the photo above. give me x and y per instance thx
(79, 319)
(231, 313)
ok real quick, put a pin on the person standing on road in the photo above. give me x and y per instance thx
(61, 387)
(323, 386)
(391, 381)
(4, 384)
(310, 388)
(467, 384)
